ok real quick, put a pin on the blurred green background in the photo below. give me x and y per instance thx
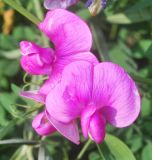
(123, 34)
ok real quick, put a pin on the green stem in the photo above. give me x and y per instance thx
(84, 149)
(22, 11)
(100, 152)
(18, 141)
(100, 43)
(38, 9)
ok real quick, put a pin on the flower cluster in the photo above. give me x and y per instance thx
(78, 87)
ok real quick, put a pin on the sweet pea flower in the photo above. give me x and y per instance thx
(72, 41)
(97, 94)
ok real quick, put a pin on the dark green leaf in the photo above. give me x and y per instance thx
(147, 152)
(117, 149)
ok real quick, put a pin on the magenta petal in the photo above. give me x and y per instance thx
(69, 33)
(54, 4)
(60, 106)
(33, 95)
(36, 60)
(85, 119)
(46, 86)
(42, 126)
(77, 76)
(97, 127)
(116, 94)
(85, 56)
(68, 130)
(50, 83)
(66, 101)
(60, 64)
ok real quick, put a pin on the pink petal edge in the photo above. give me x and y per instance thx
(68, 130)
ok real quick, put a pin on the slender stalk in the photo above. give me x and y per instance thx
(18, 141)
(38, 9)
(22, 11)
(100, 43)
(84, 149)
(100, 152)
(40, 15)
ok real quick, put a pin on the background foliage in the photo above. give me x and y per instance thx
(122, 34)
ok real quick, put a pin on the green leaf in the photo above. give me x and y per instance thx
(135, 142)
(3, 119)
(12, 68)
(94, 156)
(84, 13)
(7, 42)
(16, 90)
(24, 32)
(145, 44)
(118, 55)
(148, 52)
(7, 129)
(22, 11)
(9, 67)
(14, 54)
(141, 11)
(23, 153)
(147, 152)
(4, 82)
(7, 100)
(146, 107)
(116, 149)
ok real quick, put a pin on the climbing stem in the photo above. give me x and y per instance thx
(80, 155)
(100, 152)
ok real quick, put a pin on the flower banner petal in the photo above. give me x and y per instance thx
(116, 94)
(69, 33)
(77, 76)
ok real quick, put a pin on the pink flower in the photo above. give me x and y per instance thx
(54, 4)
(98, 95)
(72, 41)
